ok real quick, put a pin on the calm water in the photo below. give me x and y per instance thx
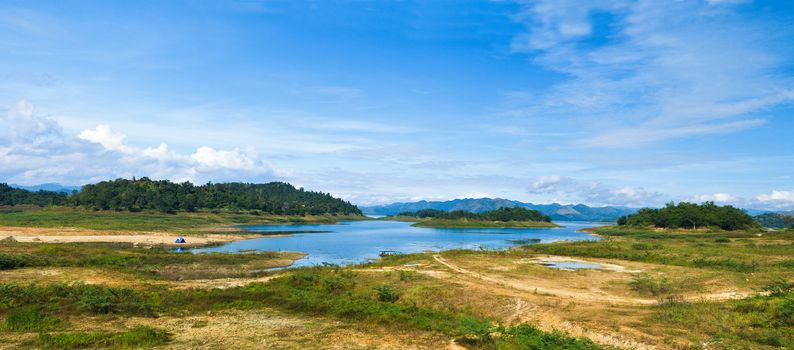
(571, 265)
(352, 242)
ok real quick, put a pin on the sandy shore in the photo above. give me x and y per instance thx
(75, 235)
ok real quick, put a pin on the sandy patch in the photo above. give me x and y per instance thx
(75, 235)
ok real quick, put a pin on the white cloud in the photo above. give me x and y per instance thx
(665, 70)
(569, 190)
(715, 197)
(210, 158)
(777, 197)
(34, 149)
(103, 135)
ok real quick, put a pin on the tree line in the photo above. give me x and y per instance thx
(501, 214)
(278, 198)
(690, 216)
(17, 196)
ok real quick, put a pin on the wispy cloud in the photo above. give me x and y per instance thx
(570, 190)
(660, 70)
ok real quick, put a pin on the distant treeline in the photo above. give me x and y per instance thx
(165, 196)
(691, 216)
(15, 196)
(501, 214)
(774, 220)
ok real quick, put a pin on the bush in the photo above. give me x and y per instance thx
(15, 261)
(138, 337)
(785, 314)
(723, 240)
(29, 319)
(386, 293)
(77, 297)
(726, 264)
(779, 287)
(645, 284)
(525, 336)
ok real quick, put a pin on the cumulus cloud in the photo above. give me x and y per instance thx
(35, 149)
(103, 135)
(719, 197)
(594, 192)
(210, 158)
(777, 199)
(656, 71)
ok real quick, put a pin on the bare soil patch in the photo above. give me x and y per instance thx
(145, 238)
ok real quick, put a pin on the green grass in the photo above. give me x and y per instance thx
(744, 252)
(153, 263)
(145, 221)
(466, 223)
(138, 337)
(754, 323)
(29, 319)
(324, 291)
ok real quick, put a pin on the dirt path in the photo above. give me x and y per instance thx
(589, 295)
(222, 283)
(147, 238)
(525, 311)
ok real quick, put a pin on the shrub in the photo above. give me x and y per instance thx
(785, 314)
(386, 293)
(525, 336)
(723, 240)
(138, 337)
(29, 319)
(645, 284)
(645, 246)
(778, 287)
(14, 261)
(726, 264)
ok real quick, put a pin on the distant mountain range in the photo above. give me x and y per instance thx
(54, 187)
(558, 212)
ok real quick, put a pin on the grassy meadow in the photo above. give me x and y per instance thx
(55, 217)
(664, 289)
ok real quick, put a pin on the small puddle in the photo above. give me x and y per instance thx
(570, 265)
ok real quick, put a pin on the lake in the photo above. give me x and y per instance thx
(351, 242)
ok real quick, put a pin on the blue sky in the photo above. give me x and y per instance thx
(603, 102)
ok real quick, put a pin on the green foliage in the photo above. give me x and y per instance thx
(183, 222)
(17, 196)
(645, 284)
(774, 220)
(13, 261)
(691, 216)
(779, 286)
(29, 319)
(503, 214)
(96, 299)
(525, 336)
(751, 323)
(726, 264)
(144, 194)
(386, 293)
(138, 337)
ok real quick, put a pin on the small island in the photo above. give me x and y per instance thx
(499, 218)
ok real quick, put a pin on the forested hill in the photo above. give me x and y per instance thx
(561, 212)
(144, 194)
(14, 196)
(691, 216)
